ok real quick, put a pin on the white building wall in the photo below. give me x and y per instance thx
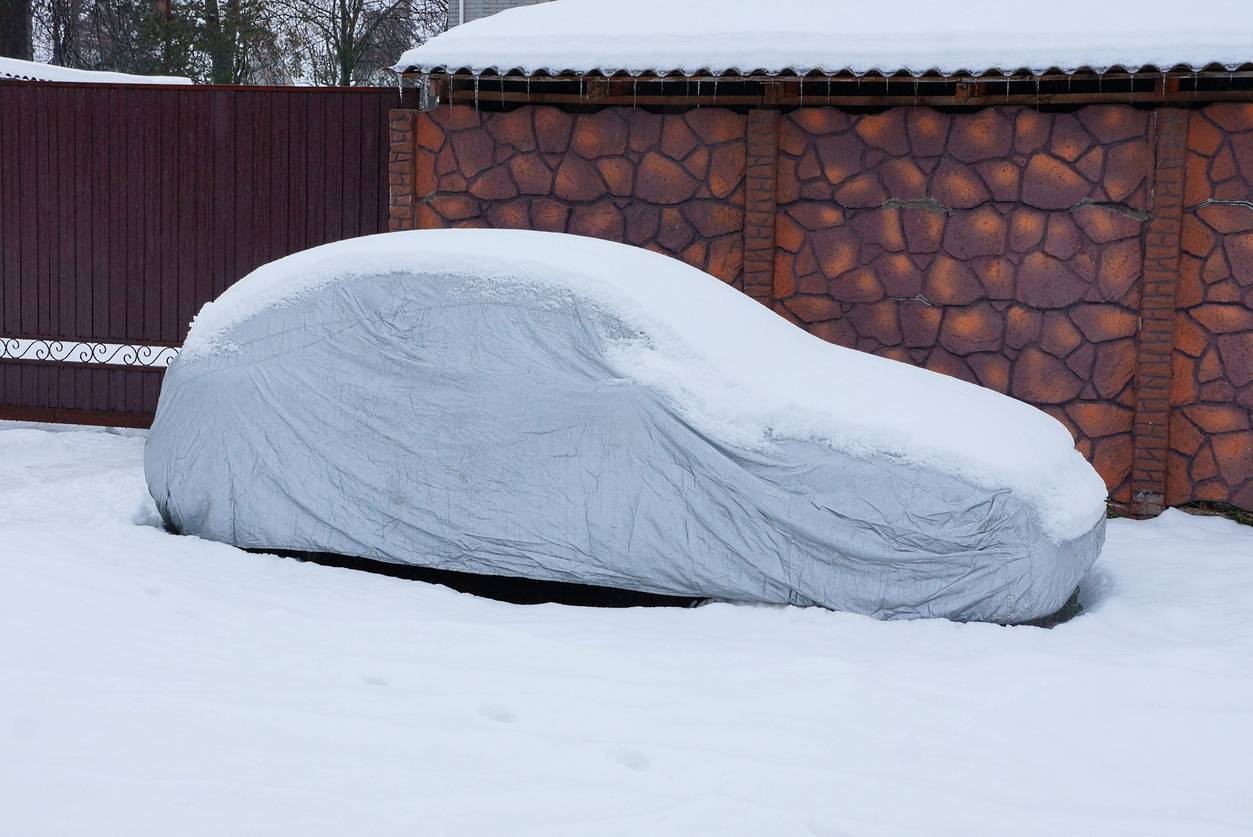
(474, 9)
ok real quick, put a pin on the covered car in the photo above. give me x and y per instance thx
(561, 408)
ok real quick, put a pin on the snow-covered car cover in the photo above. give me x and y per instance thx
(562, 408)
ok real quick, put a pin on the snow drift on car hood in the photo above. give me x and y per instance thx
(565, 408)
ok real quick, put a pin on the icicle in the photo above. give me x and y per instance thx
(635, 89)
(715, 91)
(476, 92)
(828, 90)
(698, 94)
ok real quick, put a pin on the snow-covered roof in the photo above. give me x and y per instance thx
(746, 37)
(14, 68)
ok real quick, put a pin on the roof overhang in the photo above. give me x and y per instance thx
(1183, 86)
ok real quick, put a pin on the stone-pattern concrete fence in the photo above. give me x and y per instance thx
(1095, 263)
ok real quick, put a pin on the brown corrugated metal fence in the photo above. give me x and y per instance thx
(123, 209)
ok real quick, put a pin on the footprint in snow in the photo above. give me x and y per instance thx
(498, 712)
(631, 759)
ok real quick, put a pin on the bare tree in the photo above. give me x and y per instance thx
(135, 36)
(62, 20)
(329, 42)
(240, 40)
(57, 31)
(346, 42)
(218, 41)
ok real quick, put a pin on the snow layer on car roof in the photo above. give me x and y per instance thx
(737, 370)
(745, 37)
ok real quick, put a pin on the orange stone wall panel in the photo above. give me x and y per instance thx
(1004, 246)
(1211, 434)
(675, 183)
(1015, 266)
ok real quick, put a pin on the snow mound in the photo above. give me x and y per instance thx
(157, 684)
(802, 36)
(737, 370)
(14, 68)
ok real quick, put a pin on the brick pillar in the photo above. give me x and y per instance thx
(763, 149)
(402, 169)
(1150, 435)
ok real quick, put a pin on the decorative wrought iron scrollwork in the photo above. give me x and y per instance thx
(86, 351)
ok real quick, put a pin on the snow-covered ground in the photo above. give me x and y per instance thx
(153, 684)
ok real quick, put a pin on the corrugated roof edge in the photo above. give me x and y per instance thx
(16, 69)
(796, 72)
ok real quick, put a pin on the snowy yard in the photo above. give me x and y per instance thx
(155, 684)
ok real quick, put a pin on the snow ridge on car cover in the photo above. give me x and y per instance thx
(562, 408)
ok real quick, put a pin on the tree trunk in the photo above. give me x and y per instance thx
(346, 43)
(15, 28)
(218, 43)
(65, 24)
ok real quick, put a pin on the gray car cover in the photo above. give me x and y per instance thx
(415, 419)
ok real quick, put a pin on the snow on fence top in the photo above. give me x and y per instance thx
(14, 68)
(739, 371)
(746, 37)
